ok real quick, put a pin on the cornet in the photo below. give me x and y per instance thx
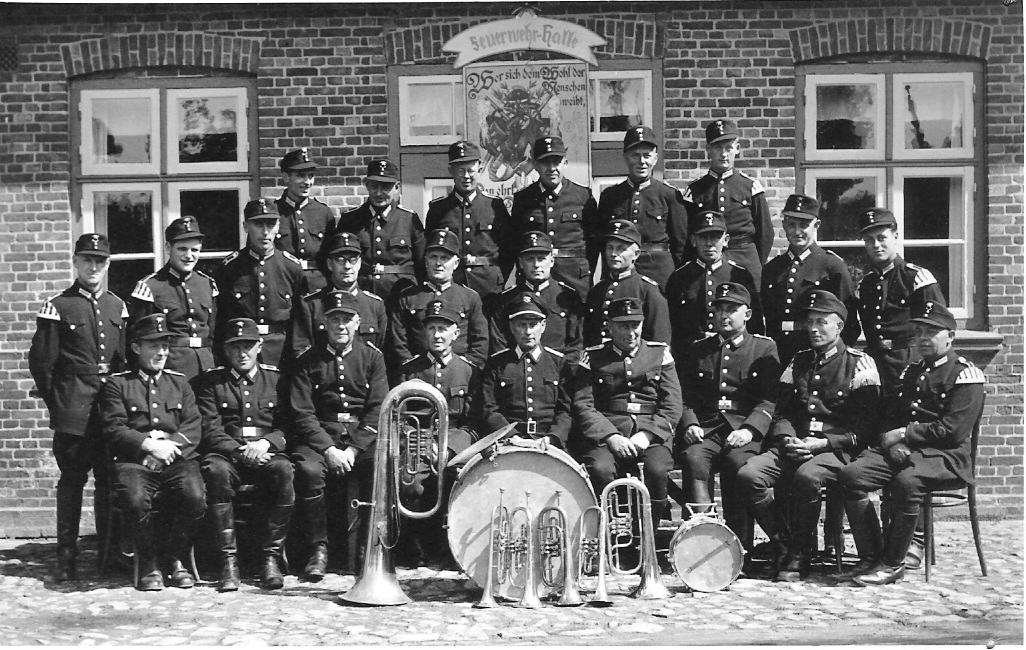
(557, 560)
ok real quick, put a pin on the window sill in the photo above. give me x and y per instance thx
(978, 346)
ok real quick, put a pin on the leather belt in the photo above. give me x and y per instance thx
(85, 369)
(189, 342)
(624, 407)
(478, 260)
(819, 429)
(529, 427)
(728, 405)
(255, 432)
(378, 269)
(568, 252)
(272, 328)
(652, 248)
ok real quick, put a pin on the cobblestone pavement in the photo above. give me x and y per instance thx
(957, 606)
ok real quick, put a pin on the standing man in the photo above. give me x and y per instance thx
(803, 267)
(79, 340)
(627, 402)
(306, 223)
(827, 411)
(739, 197)
(187, 297)
(478, 219)
(926, 445)
(656, 208)
(392, 237)
(560, 208)
(260, 282)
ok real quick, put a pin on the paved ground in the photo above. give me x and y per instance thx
(957, 606)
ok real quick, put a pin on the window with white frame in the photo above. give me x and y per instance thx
(619, 100)
(901, 136)
(433, 109)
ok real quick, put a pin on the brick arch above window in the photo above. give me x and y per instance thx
(826, 40)
(120, 51)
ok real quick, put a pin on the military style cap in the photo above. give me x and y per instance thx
(933, 313)
(626, 310)
(93, 244)
(707, 221)
(535, 240)
(524, 304)
(547, 147)
(242, 329)
(720, 130)
(824, 302)
(297, 160)
(800, 206)
(182, 228)
(437, 309)
(442, 238)
(876, 218)
(341, 301)
(639, 135)
(383, 170)
(149, 328)
(463, 151)
(342, 242)
(262, 208)
(624, 230)
(732, 292)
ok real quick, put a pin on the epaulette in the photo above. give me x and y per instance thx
(216, 369)
(267, 366)
(830, 252)
(570, 182)
(489, 195)
(866, 373)
(403, 207)
(923, 277)
(213, 283)
(289, 256)
(123, 373)
(757, 187)
(311, 295)
(372, 346)
(686, 194)
(372, 295)
(667, 356)
(350, 210)
(410, 360)
(469, 361)
(174, 372)
(142, 290)
(761, 336)
(970, 374)
(645, 278)
(733, 263)
(124, 308)
(854, 352)
(565, 285)
(439, 198)
(231, 258)
(495, 354)
(593, 348)
(787, 377)
(304, 351)
(555, 352)
(584, 360)
(657, 344)
(48, 311)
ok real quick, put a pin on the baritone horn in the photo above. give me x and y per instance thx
(557, 558)
(628, 513)
(393, 464)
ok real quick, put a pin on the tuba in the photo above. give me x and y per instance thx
(395, 464)
(629, 524)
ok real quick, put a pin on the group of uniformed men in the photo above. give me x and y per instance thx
(662, 361)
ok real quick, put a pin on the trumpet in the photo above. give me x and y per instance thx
(511, 551)
(557, 568)
(629, 524)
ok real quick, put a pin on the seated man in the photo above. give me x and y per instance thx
(336, 398)
(243, 418)
(926, 445)
(827, 410)
(729, 383)
(152, 425)
(627, 402)
(526, 384)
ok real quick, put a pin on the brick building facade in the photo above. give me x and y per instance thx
(326, 77)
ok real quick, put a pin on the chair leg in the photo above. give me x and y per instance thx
(974, 520)
(928, 560)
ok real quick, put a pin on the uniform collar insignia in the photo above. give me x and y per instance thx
(639, 186)
(339, 353)
(622, 275)
(86, 293)
(173, 272)
(939, 362)
(625, 353)
(258, 257)
(443, 361)
(803, 256)
(710, 267)
(535, 354)
(541, 286)
(381, 214)
(720, 177)
(826, 356)
(293, 204)
(439, 287)
(147, 377)
(251, 375)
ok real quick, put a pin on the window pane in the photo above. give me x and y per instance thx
(934, 115)
(842, 200)
(431, 109)
(217, 212)
(621, 104)
(121, 130)
(946, 263)
(846, 116)
(127, 218)
(933, 207)
(207, 130)
(124, 274)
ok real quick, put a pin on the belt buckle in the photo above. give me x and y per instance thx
(250, 432)
(787, 326)
(532, 426)
(103, 368)
(815, 426)
(263, 328)
(346, 417)
(379, 268)
(633, 408)
(725, 404)
(887, 344)
(470, 259)
(304, 264)
(195, 341)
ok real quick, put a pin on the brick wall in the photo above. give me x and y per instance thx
(321, 80)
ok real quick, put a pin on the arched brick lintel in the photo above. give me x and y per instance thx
(827, 40)
(120, 51)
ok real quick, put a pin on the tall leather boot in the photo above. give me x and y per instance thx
(278, 520)
(69, 511)
(223, 515)
(767, 514)
(865, 530)
(696, 491)
(180, 545)
(315, 520)
(802, 540)
(891, 567)
(150, 578)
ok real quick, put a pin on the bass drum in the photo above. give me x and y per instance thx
(705, 554)
(515, 471)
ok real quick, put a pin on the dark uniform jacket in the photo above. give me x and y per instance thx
(657, 209)
(626, 284)
(562, 323)
(79, 339)
(392, 243)
(617, 393)
(731, 381)
(406, 323)
(135, 406)
(531, 389)
(302, 229)
(815, 268)
(239, 409)
(742, 201)
(190, 307)
(836, 397)
(939, 404)
(885, 301)
(336, 397)
(480, 222)
(459, 381)
(308, 324)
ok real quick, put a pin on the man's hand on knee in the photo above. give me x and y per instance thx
(693, 434)
(621, 446)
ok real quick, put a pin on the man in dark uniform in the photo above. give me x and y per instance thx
(627, 402)
(803, 267)
(926, 445)
(342, 263)
(260, 282)
(656, 208)
(689, 291)
(187, 297)
(478, 219)
(827, 410)
(527, 383)
(305, 223)
(406, 322)
(561, 208)
(563, 305)
(392, 237)
(622, 280)
(336, 398)
(739, 197)
(79, 340)
(153, 426)
(243, 419)
(729, 383)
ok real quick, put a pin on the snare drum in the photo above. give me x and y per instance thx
(516, 471)
(705, 554)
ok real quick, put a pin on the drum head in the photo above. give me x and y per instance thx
(706, 555)
(515, 471)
